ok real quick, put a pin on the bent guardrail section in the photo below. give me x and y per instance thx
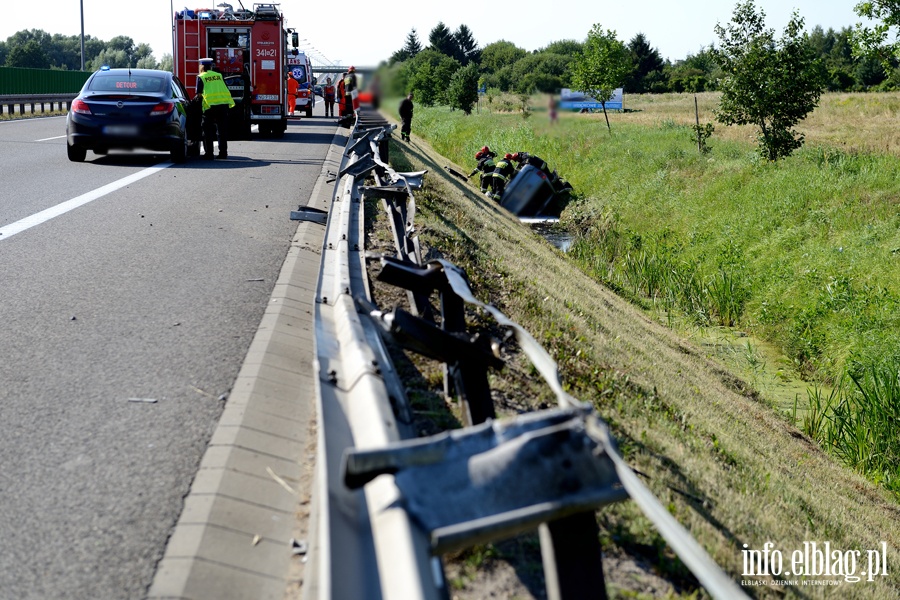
(387, 505)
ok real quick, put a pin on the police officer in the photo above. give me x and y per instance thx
(216, 99)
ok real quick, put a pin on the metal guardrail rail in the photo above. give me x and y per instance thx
(386, 504)
(8, 103)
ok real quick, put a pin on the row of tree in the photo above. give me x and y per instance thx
(37, 49)
(767, 82)
(508, 68)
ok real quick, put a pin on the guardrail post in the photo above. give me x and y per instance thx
(573, 562)
(469, 378)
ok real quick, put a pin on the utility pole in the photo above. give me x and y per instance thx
(82, 34)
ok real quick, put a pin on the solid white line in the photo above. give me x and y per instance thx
(53, 138)
(12, 229)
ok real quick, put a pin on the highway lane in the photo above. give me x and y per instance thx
(150, 292)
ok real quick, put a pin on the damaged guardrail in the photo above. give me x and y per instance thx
(388, 504)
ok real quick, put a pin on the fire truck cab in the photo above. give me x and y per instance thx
(249, 49)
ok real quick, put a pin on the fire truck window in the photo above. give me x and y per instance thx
(228, 40)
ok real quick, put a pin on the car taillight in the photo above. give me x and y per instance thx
(81, 107)
(163, 108)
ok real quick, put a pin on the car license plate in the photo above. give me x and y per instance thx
(120, 130)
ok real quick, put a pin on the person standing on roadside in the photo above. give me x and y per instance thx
(216, 99)
(328, 95)
(293, 89)
(406, 115)
(350, 91)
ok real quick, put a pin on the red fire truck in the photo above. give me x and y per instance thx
(250, 49)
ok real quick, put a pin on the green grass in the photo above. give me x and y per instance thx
(802, 253)
(716, 453)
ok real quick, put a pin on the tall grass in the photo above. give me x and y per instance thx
(803, 253)
(858, 421)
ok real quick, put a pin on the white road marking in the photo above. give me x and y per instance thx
(12, 229)
(53, 138)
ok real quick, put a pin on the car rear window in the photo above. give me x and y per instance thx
(127, 83)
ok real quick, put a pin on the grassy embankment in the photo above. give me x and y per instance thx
(798, 249)
(800, 253)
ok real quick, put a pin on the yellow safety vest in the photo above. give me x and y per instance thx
(214, 90)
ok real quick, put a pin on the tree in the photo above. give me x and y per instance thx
(873, 41)
(409, 49)
(428, 75)
(463, 90)
(770, 83)
(602, 67)
(412, 45)
(467, 47)
(648, 65)
(499, 55)
(542, 72)
(28, 55)
(570, 48)
(696, 73)
(167, 63)
(441, 40)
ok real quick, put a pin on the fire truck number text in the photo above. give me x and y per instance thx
(265, 52)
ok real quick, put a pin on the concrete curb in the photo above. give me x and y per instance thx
(246, 502)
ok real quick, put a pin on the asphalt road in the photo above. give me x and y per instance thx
(123, 324)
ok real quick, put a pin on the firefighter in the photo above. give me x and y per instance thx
(328, 95)
(349, 90)
(485, 165)
(293, 89)
(523, 158)
(406, 115)
(503, 172)
(216, 99)
(342, 106)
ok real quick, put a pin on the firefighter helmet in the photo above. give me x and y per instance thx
(508, 156)
(352, 69)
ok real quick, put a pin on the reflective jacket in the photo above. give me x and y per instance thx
(349, 82)
(213, 90)
(503, 169)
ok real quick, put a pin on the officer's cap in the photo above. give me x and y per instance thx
(207, 61)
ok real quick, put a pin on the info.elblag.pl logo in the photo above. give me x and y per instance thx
(814, 560)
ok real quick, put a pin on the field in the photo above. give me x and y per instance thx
(791, 259)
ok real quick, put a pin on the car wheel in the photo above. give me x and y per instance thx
(179, 150)
(75, 153)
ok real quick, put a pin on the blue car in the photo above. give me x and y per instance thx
(128, 109)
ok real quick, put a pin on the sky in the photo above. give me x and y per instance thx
(365, 33)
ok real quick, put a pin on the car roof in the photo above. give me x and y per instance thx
(121, 70)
